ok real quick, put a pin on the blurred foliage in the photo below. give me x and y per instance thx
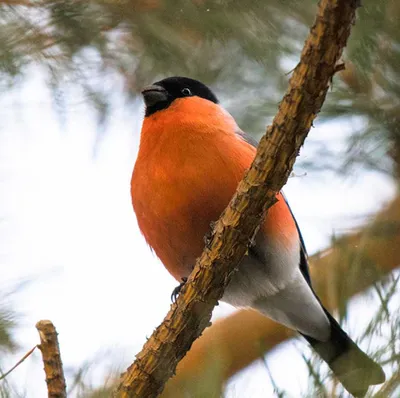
(84, 381)
(8, 318)
(8, 344)
(370, 87)
(7, 324)
(245, 50)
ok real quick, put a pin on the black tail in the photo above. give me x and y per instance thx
(354, 369)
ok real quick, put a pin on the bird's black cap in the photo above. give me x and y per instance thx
(161, 94)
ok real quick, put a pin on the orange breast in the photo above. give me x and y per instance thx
(189, 164)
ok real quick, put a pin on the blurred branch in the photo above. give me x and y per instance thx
(53, 368)
(276, 154)
(234, 342)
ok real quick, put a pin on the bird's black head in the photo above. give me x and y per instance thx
(161, 94)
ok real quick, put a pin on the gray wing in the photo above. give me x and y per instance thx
(247, 137)
(303, 252)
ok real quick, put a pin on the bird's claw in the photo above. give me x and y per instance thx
(208, 236)
(177, 290)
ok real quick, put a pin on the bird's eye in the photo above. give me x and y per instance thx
(186, 91)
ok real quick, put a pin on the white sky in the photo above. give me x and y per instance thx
(67, 223)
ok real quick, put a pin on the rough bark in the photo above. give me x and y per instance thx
(234, 342)
(56, 386)
(233, 232)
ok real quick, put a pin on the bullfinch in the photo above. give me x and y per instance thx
(191, 158)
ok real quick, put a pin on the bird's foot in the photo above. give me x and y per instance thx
(208, 236)
(177, 290)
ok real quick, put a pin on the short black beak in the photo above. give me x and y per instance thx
(154, 94)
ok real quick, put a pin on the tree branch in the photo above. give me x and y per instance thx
(53, 368)
(235, 229)
(243, 337)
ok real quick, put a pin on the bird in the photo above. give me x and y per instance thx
(192, 155)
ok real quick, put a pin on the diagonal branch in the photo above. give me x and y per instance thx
(235, 229)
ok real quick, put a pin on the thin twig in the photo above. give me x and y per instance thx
(56, 386)
(3, 376)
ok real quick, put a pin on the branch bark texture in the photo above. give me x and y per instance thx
(56, 386)
(235, 229)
